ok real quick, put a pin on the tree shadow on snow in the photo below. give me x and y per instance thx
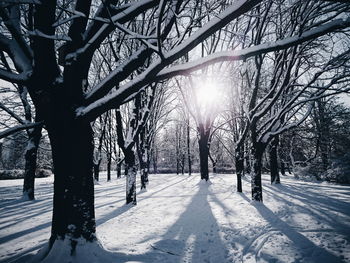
(194, 237)
(314, 209)
(309, 251)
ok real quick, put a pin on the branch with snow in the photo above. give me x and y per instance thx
(184, 69)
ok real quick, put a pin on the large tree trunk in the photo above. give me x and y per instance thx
(257, 152)
(31, 162)
(203, 154)
(73, 202)
(275, 177)
(130, 166)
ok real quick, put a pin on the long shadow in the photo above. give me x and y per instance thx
(314, 209)
(23, 256)
(310, 251)
(117, 212)
(314, 198)
(11, 222)
(124, 208)
(7, 238)
(164, 188)
(194, 237)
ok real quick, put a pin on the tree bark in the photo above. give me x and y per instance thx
(73, 202)
(31, 162)
(203, 153)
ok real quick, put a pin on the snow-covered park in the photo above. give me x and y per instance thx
(181, 218)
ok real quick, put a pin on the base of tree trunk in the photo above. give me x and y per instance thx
(28, 195)
(74, 250)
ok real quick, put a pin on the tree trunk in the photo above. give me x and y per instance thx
(183, 164)
(275, 177)
(203, 155)
(31, 162)
(73, 201)
(189, 147)
(289, 168)
(239, 160)
(126, 170)
(257, 152)
(155, 161)
(119, 169)
(283, 168)
(97, 170)
(143, 170)
(143, 178)
(109, 164)
(130, 166)
(119, 166)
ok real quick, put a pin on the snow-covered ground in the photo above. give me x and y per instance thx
(180, 219)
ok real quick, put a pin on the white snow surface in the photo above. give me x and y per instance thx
(182, 219)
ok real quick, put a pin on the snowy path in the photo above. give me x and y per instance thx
(180, 219)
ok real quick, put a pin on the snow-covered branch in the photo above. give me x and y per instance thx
(150, 75)
(184, 69)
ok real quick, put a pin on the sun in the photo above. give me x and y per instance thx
(207, 94)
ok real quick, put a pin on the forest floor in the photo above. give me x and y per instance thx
(181, 219)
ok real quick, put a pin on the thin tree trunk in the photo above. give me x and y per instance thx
(97, 170)
(31, 162)
(257, 152)
(189, 147)
(283, 168)
(183, 164)
(109, 164)
(239, 160)
(155, 160)
(130, 176)
(119, 167)
(275, 177)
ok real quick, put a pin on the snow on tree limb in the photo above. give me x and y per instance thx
(132, 87)
(150, 75)
(184, 69)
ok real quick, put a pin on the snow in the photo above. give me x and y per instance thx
(183, 219)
